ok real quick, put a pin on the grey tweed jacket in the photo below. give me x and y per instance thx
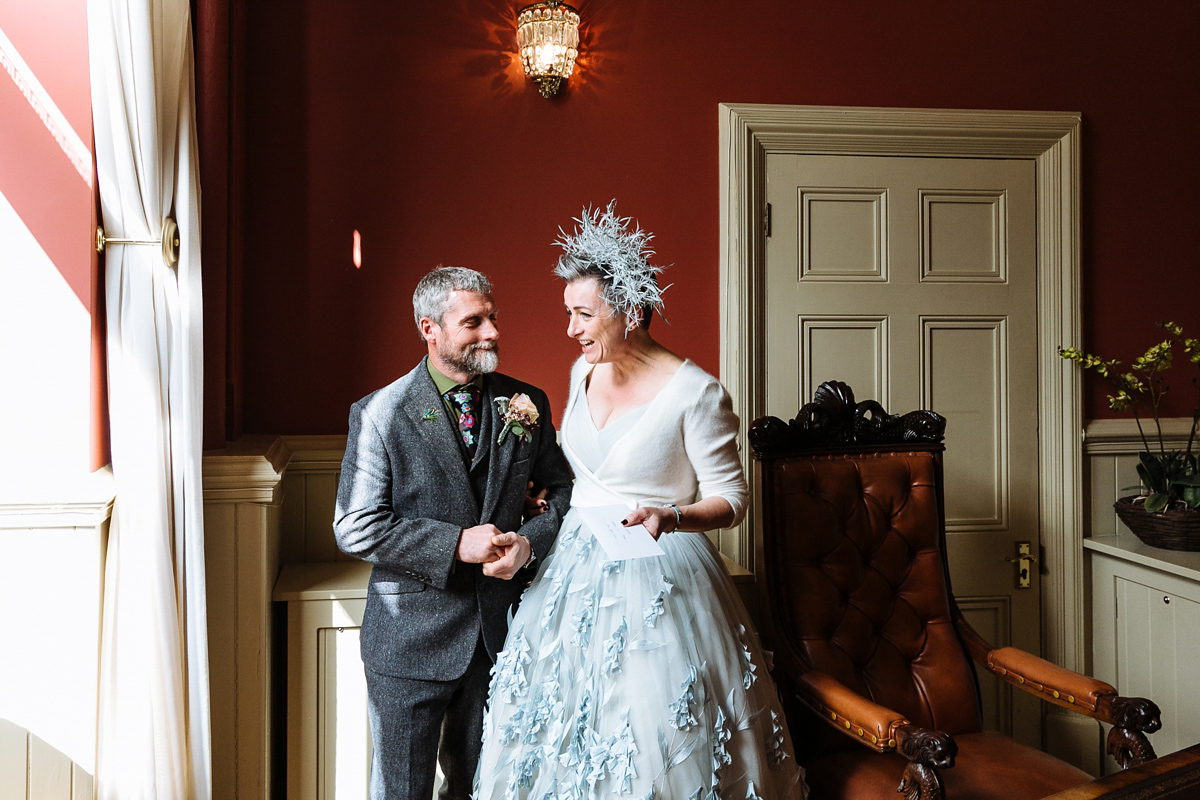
(406, 494)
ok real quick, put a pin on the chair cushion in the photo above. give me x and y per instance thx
(989, 767)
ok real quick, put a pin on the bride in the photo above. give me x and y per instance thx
(643, 676)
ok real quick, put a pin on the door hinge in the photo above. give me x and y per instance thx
(767, 221)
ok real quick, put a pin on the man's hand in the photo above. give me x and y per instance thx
(516, 549)
(476, 545)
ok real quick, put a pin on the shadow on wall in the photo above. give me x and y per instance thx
(32, 769)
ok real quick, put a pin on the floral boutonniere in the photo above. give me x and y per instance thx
(429, 415)
(518, 416)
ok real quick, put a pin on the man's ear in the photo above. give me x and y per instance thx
(428, 329)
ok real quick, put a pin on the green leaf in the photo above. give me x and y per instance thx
(1191, 496)
(1152, 472)
(1187, 480)
(1156, 502)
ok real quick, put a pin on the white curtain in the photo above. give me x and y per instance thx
(153, 739)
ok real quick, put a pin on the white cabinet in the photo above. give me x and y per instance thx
(328, 738)
(1146, 630)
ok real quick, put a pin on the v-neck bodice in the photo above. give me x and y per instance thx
(592, 444)
(680, 445)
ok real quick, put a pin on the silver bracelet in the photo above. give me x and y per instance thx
(678, 516)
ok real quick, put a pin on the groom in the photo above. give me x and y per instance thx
(432, 492)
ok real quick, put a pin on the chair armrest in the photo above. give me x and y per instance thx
(1054, 684)
(1131, 717)
(1035, 675)
(883, 730)
(848, 711)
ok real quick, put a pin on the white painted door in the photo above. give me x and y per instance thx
(914, 281)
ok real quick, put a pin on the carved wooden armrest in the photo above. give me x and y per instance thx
(1131, 717)
(882, 729)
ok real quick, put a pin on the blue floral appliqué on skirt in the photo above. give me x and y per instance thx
(638, 678)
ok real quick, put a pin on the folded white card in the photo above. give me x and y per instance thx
(620, 542)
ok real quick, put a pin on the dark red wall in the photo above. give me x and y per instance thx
(414, 125)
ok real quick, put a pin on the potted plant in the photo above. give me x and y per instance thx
(1166, 512)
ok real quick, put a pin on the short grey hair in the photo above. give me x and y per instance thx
(432, 296)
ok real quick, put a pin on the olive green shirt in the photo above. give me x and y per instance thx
(445, 384)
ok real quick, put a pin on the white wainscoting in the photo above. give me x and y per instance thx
(52, 548)
(30, 769)
(242, 497)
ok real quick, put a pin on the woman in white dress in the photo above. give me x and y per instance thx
(639, 677)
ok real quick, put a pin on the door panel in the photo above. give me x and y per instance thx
(914, 280)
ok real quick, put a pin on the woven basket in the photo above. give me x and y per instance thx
(1170, 530)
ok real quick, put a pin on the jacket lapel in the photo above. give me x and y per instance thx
(501, 455)
(438, 433)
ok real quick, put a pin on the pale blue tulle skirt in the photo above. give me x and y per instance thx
(638, 678)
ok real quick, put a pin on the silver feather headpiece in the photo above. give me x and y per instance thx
(619, 249)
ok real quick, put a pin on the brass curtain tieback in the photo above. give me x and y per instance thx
(169, 241)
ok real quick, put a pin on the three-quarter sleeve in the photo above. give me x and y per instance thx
(710, 431)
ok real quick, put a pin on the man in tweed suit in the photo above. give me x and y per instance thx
(431, 497)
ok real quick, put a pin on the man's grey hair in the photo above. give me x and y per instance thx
(432, 296)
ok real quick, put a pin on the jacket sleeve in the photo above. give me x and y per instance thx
(552, 473)
(366, 525)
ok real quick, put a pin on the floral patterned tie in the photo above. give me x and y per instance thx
(466, 400)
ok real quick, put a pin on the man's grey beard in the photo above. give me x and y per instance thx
(474, 359)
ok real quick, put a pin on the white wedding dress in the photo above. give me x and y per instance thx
(641, 677)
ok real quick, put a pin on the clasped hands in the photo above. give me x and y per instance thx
(501, 553)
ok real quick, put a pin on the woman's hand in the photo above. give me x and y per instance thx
(535, 504)
(657, 520)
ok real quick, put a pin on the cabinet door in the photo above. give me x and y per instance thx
(329, 741)
(343, 732)
(1146, 627)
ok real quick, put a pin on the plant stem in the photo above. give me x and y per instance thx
(1138, 419)
(1195, 419)
(1155, 399)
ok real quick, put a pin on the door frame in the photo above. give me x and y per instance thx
(750, 132)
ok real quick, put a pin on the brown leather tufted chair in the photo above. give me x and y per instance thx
(871, 652)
